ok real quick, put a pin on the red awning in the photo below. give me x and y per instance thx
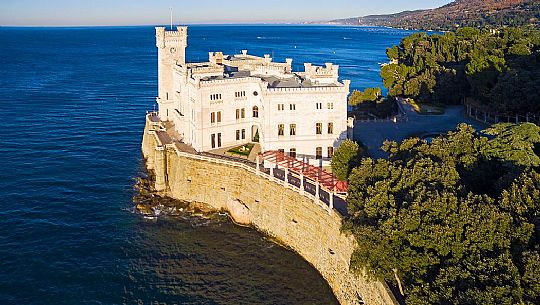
(314, 173)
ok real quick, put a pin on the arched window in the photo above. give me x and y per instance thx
(255, 111)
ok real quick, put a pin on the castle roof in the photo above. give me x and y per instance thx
(276, 74)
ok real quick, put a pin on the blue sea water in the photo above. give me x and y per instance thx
(72, 105)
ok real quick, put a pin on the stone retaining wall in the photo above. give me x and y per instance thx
(292, 219)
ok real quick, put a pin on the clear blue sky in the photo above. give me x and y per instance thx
(138, 12)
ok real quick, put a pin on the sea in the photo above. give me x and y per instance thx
(72, 107)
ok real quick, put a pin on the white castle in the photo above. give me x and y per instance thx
(233, 100)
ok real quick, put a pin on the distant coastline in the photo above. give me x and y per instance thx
(457, 14)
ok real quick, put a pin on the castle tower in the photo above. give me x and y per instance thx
(171, 52)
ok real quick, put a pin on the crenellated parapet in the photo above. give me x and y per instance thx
(166, 37)
(321, 74)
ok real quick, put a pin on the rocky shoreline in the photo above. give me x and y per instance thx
(150, 204)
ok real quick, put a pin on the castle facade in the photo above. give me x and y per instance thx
(232, 100)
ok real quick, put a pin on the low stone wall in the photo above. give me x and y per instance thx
(292, 219)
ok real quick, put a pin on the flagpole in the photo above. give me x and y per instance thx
(171, 13)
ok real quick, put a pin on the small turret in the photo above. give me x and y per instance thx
(327, 74)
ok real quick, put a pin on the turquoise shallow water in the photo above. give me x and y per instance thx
(72, 104)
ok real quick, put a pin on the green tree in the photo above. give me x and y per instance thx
(368, 95)
(515, 143)
(530, 278)
(393, 53)
(345, 158)
(497, 68)
(423, 219)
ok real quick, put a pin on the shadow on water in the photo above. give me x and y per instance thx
(192, 260)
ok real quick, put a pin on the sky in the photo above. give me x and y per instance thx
(151, 12)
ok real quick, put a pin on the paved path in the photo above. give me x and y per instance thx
(373, 134)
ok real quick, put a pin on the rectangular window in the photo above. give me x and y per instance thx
(281, 107)
(219, 117)
(292, 128)
(215, 97)
(243, 134)
(330, 152)
(318, 153)
(292, 153)
(330, 105)
(243, 112)
(240, 94)
(319, 105)
(292, 107)
(281, 130)
(219, 139)
(330, 128)
(238, 114)
(213, 140)
(237, 135)
(318, 128)
(281, 151)
(212, 117)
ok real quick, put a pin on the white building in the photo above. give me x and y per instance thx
(237, 99)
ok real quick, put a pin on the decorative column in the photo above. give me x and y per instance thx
(317, 192)
(257, 169)
(286, 179)
(331, 202)
(302, 184)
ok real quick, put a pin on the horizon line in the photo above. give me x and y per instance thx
(181, 24)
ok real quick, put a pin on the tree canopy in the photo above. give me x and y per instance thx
(453, 221)
(497, 68)
(368, 95)
(345, 158)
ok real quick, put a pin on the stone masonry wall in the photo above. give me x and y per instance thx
(294, 220)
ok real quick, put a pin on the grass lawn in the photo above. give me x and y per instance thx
(243, 150)
(424, 108)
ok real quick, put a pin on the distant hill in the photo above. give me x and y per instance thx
(460, 13)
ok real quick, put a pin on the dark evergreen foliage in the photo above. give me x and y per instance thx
(454, 221)
(497, 69)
